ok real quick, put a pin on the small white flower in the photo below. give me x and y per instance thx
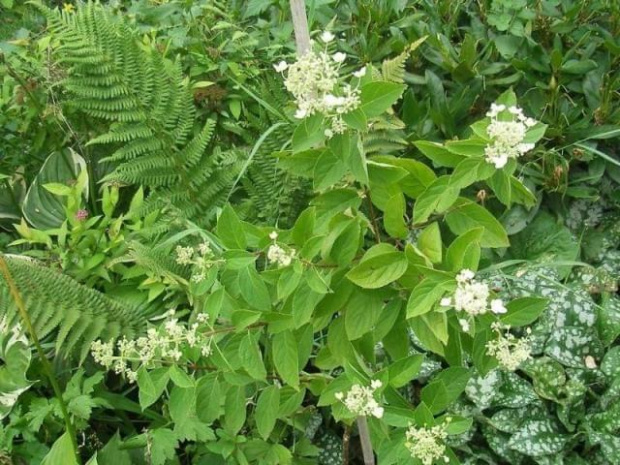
(446, 302)
(301, 113)
(339, 57)
(464, 324)
(281, 67)
(590, 362)
(497, 306)
(376, 384)
(273, 235)
(360, 73)
(465, 275)
(327, 37)
(328, 133)
(339, 395)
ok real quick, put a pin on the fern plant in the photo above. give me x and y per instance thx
(147, 106)
(57, 303)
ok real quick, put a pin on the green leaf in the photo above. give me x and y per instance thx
(445, 388)
(180, 377)
(466, 215)
(208, 398)
(361, 314)
(309, 133)
(404, 370)
(163, 445)
(151, 385)
(230, 229)
(439, 154)
(356, 119)
(393, 217)
(285, 357)
(379, 270)
(469, 148)
(304, 227)
(253, 289)
(234, 409)
(61, 453)
(523, 311)
(438, 196)
(40, 207)
(464, 251)
(267, 410)
(470, 171)
(252, 357)
(329, 169)
(425, 295)
(57, 189)
(430, 243)
(378, 96)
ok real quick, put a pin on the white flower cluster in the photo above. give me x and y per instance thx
(164, 344)
(427, 444)
(509, 350)
(314, 82)
(360, 400)
(507, 136)
(201, 258)
(472, 297)
(277, 254)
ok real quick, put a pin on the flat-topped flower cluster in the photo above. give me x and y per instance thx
(472, 297)
(427, 444)
(509, 350)
(507, 136)
(360, 400)
(314, 80)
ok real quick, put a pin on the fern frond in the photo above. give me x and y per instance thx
(77, 314)
(393, 70)
(147, 104)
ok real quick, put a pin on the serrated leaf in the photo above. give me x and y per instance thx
(267, 410)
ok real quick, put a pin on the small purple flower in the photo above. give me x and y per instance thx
(81, 215)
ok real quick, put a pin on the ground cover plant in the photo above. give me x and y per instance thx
(397, 244)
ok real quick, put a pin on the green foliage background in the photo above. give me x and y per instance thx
(131, 127)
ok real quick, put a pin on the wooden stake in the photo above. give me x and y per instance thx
(300, 25)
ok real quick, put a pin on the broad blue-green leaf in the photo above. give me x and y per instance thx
(42, 208)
